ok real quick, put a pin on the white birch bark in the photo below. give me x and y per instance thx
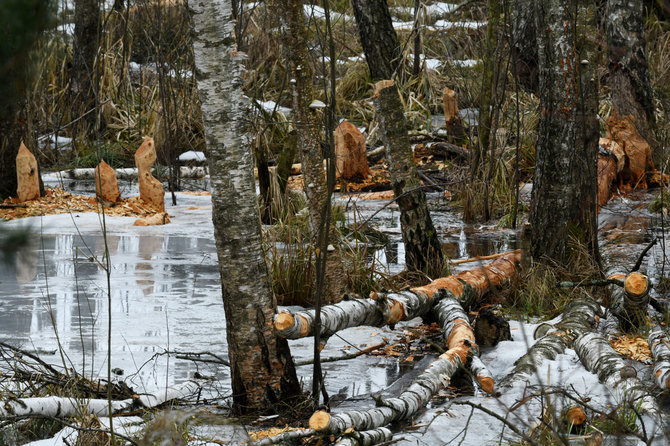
(578, 317)
(55, 406)
(660, 350)
(419, 392)
(261, 367)
(600, 358)
(389, 308)
(366, 438)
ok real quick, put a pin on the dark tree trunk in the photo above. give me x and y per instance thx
(261, 366)
(378, 38)
(306, 122)
(423, 251)
(628, 68)
(563, 203)
(524, 44)
(83, 79)
(22, 22)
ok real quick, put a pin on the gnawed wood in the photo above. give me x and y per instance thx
(451, 116)
(629, 303)
(599, 357)
(285, 437)
(366, 438)
(419, 392)
(489, 257)
(575, 416)
(350, 157)
(482, 375)
(389, 308)
(659, 344)
(491, 327)
(580, 315)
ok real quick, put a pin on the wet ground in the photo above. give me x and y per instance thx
(164, 295)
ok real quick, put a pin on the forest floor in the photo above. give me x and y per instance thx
(166, 307)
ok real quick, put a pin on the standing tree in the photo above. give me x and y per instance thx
(563, 202)
(306, 122)
(83, 80)
(378, 38)
(524, 43)
(22, 22)
(261, 366)
(628, 68)
(423, 251)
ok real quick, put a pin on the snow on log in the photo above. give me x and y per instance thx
(54, 406)
(580, 315)
(630, 302)
(389, 308)
(600, 358)
(366, 438)
(660, 350)
(460, 341)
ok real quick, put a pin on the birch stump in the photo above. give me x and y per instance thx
(423, 251)
(629, 303)
(261, 366)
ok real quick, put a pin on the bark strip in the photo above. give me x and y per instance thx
(660, 350)
(600, 358)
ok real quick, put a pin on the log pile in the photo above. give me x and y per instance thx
(380, 309)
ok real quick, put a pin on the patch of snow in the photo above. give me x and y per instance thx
(464, 62)
(271, 106)
(403, 26)
(62, 143)
(192, 155)
(448, 24)
(319, 13)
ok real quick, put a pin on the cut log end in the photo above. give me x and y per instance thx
(575, 416)
(636, 284)
(319, 420)
(283, 321)
(487, 384)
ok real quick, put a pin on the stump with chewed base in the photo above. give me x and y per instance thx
(27, 175)
(350, 157)
(106, 184)
(151, 190)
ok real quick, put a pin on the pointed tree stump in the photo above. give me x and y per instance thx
(106, 184)
(350, 157)
(451, 117)
(151, 190)
(27, 175)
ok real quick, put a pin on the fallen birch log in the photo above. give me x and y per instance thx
(54, 406)
(417, 395)
(289, 437)
(629, 303)
(389, 308)
(580, 315)
(366, 438)
(660, 350)
(598, 356)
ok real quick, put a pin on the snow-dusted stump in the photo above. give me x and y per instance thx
(460, 341)
(579, 316)
(387, 309)
(54, 406)
(630, 302)
(659, 344)
(366, 438)
(600, 358)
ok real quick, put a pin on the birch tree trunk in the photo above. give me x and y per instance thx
(524, 44)
(563, 202)
(307, 125)
(628, 67)
(378, 38)
(659, 344)
(423, 251)
(261, 366)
